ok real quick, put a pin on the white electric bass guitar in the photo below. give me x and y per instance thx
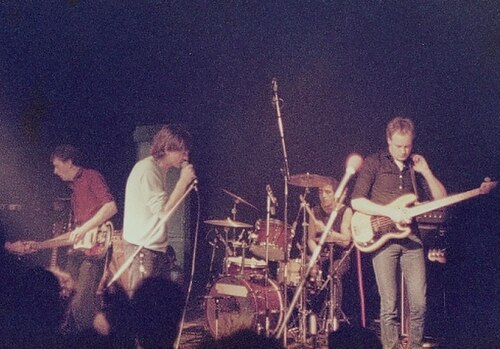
(95, 242)
(369, 233)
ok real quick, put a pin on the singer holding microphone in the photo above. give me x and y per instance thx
(147, 203)
(384, 177)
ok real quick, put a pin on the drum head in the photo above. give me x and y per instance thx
(235, 303)
(230, 306)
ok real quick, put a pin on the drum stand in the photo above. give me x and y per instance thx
(269, 208)
(333, 308)
(302, 308)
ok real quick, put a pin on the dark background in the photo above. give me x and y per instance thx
(88, 73)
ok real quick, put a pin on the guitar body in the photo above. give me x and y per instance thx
(369, 233)
(97, 241)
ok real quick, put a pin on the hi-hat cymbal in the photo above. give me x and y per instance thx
(238, 199)
(309, 180)
(228, 222)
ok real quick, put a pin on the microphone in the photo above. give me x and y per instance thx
(271, 195)
(274, 84)
(353, 164)
(195, 180)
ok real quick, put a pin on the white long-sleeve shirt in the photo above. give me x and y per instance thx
(145, 197)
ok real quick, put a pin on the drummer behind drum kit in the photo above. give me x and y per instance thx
(245, 295)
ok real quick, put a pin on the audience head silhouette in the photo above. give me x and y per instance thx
(158, 305)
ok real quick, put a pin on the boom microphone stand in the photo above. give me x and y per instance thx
(286, 177)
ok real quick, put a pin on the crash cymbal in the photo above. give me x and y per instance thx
(238, 199)
(309, 180)
(228, 222)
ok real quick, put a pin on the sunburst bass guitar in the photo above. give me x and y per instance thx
(369, 233)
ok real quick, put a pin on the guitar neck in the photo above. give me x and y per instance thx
(52, 244)
(446, 201)
(58, 229)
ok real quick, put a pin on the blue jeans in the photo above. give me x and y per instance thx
(410, 256)
(145, 264)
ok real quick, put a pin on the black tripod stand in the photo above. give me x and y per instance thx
(332, 313)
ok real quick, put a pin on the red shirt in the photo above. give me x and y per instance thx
(90, 193)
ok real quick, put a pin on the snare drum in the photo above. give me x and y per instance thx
(253, 267)
(235, 303)
(276, 240)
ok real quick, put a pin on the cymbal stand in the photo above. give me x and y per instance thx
(303, 261)
(269, 208)
(233, 213)
(331, 322)
(213, 243)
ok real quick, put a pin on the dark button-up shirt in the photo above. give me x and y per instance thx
(381, 181)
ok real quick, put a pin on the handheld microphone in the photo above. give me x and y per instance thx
(274, 84)
(195, 180)
(353, 163)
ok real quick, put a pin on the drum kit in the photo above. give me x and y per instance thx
(251, 290)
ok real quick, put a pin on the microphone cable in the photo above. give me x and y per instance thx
(193, 267)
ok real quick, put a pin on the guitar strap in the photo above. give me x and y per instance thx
(414, 181)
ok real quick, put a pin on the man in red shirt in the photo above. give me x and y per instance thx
(92, 205)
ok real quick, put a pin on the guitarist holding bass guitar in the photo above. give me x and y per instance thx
(384, 177)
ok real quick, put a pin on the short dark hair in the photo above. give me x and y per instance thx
(333, 182)
(67, 152)
(172, 137)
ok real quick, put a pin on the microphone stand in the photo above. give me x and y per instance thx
(164, 220)
(312, 262)
(286, 177)
(269, 208)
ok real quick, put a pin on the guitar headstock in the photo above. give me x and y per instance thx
(487, 186)
(21, 247)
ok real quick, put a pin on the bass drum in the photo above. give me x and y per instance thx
(234, 304)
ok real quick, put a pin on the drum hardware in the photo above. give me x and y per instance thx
(310, 265)
(238, 240)
(303, 312)
(291, 273)
(270, 207)
(238, 199)
(309, 180)
(333, 308)
(235, 303)
(228, 223)
(217, 312)
(230, 247)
